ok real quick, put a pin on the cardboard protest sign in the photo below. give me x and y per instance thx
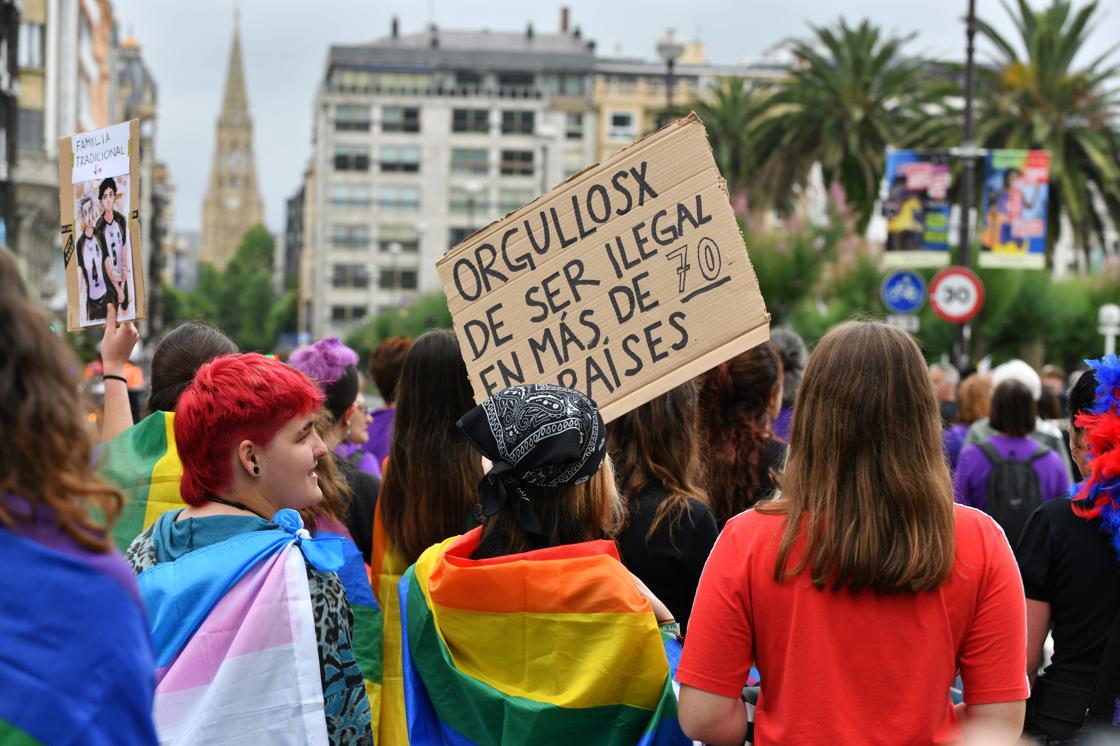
(98, 200)
(624, 281)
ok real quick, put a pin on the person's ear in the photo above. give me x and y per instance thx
(348, 414)
(247, 453)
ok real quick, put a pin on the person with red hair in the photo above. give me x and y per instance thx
(245, 430)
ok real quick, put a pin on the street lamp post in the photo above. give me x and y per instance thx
(473, 188)
(968, 170)
(669, 48)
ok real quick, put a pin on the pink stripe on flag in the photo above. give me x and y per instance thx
(251, 617)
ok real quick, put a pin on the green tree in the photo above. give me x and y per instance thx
(731, 113)
(850, 93)
(1034, 96)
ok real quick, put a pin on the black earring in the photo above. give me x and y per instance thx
(256, 471)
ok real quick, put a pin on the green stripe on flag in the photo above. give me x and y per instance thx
(367, 641)
(10, 735)
(127, 462)
(474, 708)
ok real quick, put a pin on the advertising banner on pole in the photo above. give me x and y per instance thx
(916, 207)
(1015, 195)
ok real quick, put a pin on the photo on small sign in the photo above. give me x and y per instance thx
(102, 249)
(98, 193)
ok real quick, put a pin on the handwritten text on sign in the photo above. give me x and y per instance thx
(626, 280)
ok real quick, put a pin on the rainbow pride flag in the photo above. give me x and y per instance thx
(555, 646)
(235, 642)
(143, 462)
(386, 569)
(75, 663)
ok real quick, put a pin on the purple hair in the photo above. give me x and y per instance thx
(324, 362)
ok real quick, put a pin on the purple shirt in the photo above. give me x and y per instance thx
(366, 462)
(970, 483)
(951, 441)
(782, 423)
(380, 434)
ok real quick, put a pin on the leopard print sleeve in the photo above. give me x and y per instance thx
(344, 692)
(141, 553)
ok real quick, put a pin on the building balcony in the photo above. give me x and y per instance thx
(459, 91)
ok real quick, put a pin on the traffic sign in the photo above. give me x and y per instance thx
(907, 322)
(956, 294)
(903, 291)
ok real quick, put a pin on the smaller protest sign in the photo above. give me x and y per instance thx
(1014, 209)
(98, 199)
(917, 209)
(624, 281)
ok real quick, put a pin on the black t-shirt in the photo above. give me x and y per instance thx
(363, 499)
(1069, 562)
(670, 566)
(771, 458)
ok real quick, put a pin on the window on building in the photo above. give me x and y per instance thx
(457, 235)
(350, 236)
(511, 199)
(515, 80)
(517, 122)
(400, 159)
(31, 45)
(405, 236)
(400, 119)
(470, 120)
(573, 125)
(351, 158)
(404, 82)
(517, 163)
(29, 130)
(622, 126)
(470, 161)
(351, 118)
(347, 80)
(350, 276)
(470, 78)
(347, 314)
(391, 197)
(350, 196)
(571, 84)
(394, 278)
(464, 202)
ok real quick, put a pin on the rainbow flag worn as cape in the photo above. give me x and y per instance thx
(554, 646)
(143, 462)
(235, 641)
(75, 663)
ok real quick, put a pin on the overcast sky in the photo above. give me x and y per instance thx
(186, 46)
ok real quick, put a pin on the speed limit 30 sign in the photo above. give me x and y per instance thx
(956, 294)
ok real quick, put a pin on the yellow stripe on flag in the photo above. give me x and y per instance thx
(163, 494)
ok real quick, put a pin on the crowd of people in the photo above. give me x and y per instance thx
(845, 546)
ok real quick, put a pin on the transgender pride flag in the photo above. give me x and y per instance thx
(234, 637)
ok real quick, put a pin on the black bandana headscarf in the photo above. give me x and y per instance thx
(537, 434)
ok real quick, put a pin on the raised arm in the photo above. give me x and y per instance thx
(116, 346)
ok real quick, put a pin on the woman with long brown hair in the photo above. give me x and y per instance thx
(739, 400)
(427, 490)
(669, 530)
(861, 590)
(69, 606)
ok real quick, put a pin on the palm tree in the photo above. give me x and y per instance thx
(731, 113)
(850, 94)
(1034, 97)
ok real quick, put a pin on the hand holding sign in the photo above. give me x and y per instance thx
(626, 280)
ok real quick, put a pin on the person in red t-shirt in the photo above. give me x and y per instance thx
(861, 591)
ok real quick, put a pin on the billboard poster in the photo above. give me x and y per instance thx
(1015, 195)
(916, 208)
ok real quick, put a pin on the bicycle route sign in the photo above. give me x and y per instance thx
(903, 291)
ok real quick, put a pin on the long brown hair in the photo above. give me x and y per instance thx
(431, 481)
(734, 426)
(336, 492)
(46, 454)
(866, 481)
(568, 515)
(656, 443)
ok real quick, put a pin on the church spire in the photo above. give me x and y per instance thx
(235, 104)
